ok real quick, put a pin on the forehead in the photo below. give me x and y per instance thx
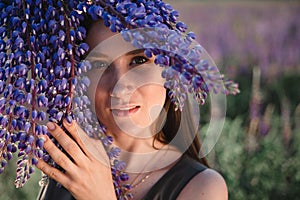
(105, 44)
(96, 33)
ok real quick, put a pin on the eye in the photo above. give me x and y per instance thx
(138, 60)
(98, 64)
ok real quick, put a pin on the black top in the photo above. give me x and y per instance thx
(167, 188)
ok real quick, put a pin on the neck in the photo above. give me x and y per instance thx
(134, 143)
(146, 161)
(142, 154)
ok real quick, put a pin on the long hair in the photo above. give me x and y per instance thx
(188, 141)
(172, 124)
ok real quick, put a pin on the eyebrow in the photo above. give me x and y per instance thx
(95, 56)
(136, 51)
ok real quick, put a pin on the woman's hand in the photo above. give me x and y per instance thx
(87, 175)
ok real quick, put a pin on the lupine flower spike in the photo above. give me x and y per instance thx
(42, 70)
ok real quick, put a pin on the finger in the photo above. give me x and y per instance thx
(92, 147)
(75, 131)
(57, 155)
(67, 143)
(52, 172)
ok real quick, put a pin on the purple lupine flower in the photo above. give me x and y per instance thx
(43, 41)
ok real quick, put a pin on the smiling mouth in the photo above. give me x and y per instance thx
(125, 111)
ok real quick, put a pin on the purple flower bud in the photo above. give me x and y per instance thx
(34, 114)
(162, 60)
(95, 11)
(38, 129)
(120, 165)
(54, 41)
(39, 153)
(38, 68)
(59, 71)
(28, 149)
(44, 129)
(86, 81)
(46, 158)
(2, 102)
(59, 116)
(2, 31)
(22, 136)
(14, 148)
(42, 86)
(4, 121)
(117, 190)
(20, 83)
(30, 139)
(84, 66)
(79, 117)
(27, 127)
(83, 48)
(31, 84)
(40, 142)
(67, 101)
(34, 162)
(4, 155)
(81, 33)
(24, 26)
(72, 35)
(15, 21)
(124, 177)
(3, 163)
(191, 35)
(41, 116)
(21, 147)
(69, 119)
(61, 53)
(58, 99)
(14, 138)
(13, 123)
(9, 147)
(42, 101)
(2, 45)
(19, 43)
(52, 26)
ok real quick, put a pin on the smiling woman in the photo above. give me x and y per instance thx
(133, 84)
(129, 99)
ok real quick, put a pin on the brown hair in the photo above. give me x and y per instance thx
(189, 138)
(171, 126)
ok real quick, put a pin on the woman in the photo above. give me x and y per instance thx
(116, 104)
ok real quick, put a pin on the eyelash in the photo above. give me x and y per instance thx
(99, 64)
(138, 60)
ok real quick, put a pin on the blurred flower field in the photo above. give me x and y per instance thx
(256, 43)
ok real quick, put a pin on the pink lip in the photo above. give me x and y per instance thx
(123, 111)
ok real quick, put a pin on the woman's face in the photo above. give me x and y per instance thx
(126, 86)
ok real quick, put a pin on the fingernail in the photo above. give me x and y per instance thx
(51, 126)
(68, 121)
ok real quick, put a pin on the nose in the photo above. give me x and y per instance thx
(121, 90)
(122, 86)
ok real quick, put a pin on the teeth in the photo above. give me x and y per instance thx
(127, 108)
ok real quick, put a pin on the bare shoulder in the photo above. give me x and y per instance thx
(208, 184)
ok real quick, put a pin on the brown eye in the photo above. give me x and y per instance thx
(138, 60)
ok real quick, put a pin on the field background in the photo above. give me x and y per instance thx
(256, 43)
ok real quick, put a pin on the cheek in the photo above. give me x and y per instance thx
(155, 94)
(100, 96)
(94, 77)
(154, 97)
